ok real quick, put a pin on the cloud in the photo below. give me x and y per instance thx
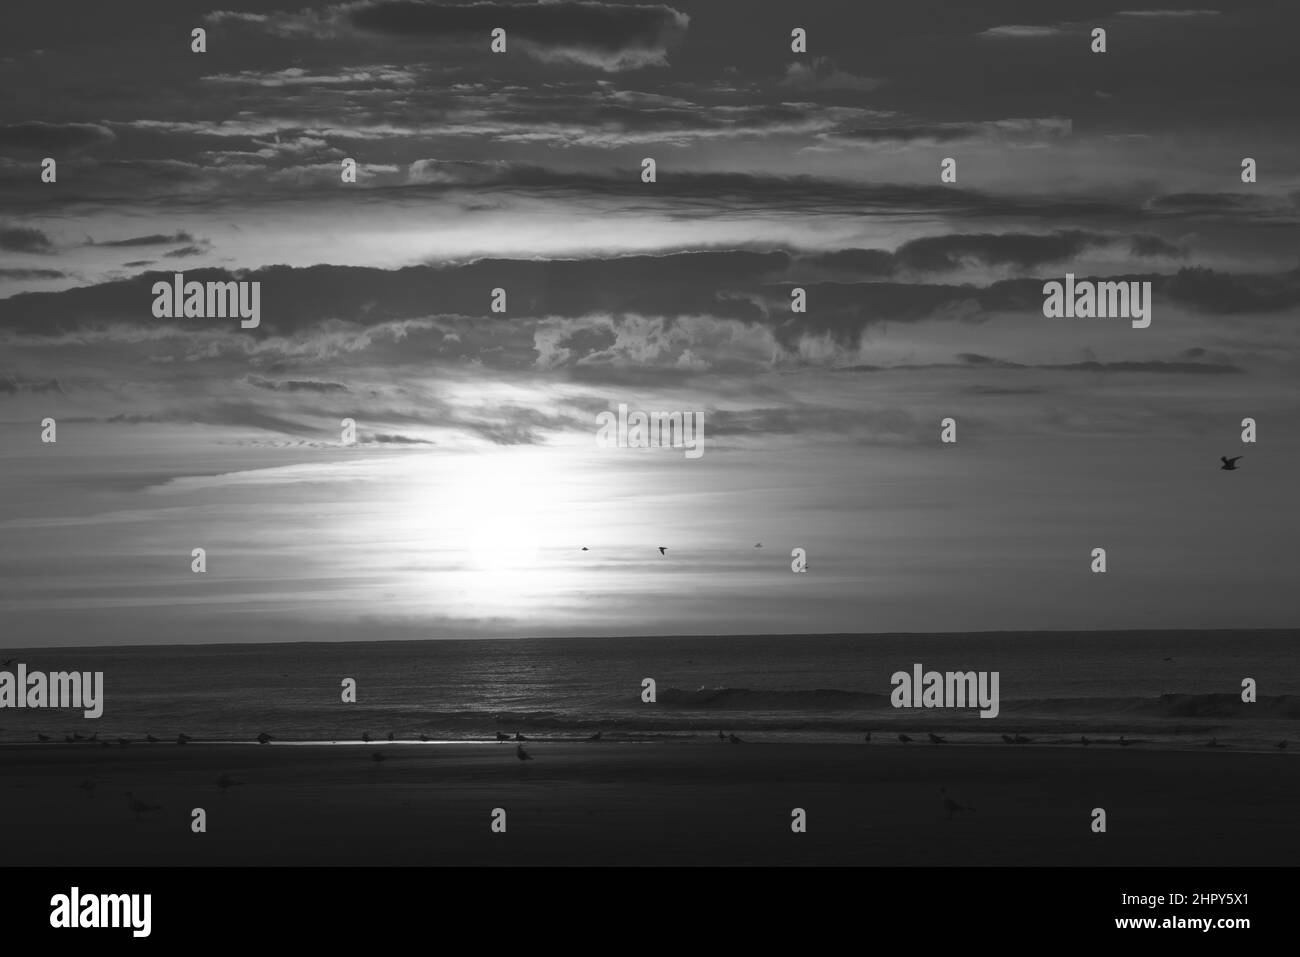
(1020, 32)
(823, 74)
(24, 239)
(1168, 13)
(31, 274)
(156, 239)
(10, 385)
(39, 136)
(294, 385)
(609, 37)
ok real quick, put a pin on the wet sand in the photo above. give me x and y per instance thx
(638, 804)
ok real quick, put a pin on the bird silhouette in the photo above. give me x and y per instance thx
(935, 739)
(904, 738)
(1021, 739)
(124, 741)
(88, 786)
(519, 737)
(1213, 743)
(951, 806)
(662, 550)
(502, 737)
(867, 737)
(182, 738)
(42, 737)
(1229, 464)
(151, 739)
(595, 737)
(758, 544)
(365, 736)
(585, 548)
(721, 736)
(139, 807)
(225, 782)
(521, 754)
(734, 740)
(1282, 744)
(424, 737)
(264, 738)
(1123, 743)
(390, 736)
(1008, 739)
(378, 758)
(7, 662)
(1170, 658)
(1084, 741)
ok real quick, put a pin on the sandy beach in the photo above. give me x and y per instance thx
(647, 804)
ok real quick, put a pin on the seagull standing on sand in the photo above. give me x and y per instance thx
(502, 737)
(1229, 464)
(935, 739)
(42, 737)
(734, 740)
(182, 738)
(867, 738)
(264, 738)
(139, 807)
(519, 737)
(1021, 739)
(951, 806)
(904, 738)
(1084, 741)
(1008, 739)
(521, 754)
(151, 739)
(595, 737)
(721, 736)
(1282, 744)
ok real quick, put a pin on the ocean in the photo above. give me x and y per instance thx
(1167, 689)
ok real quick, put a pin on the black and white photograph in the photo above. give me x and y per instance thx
(699, 435)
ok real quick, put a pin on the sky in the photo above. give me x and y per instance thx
(476, 480)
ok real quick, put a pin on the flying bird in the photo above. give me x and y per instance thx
(951, 806)
(662, 550)
(585, 548)
(1229, 464)
(521, 754)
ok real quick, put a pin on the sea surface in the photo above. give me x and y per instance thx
(1166, 689)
